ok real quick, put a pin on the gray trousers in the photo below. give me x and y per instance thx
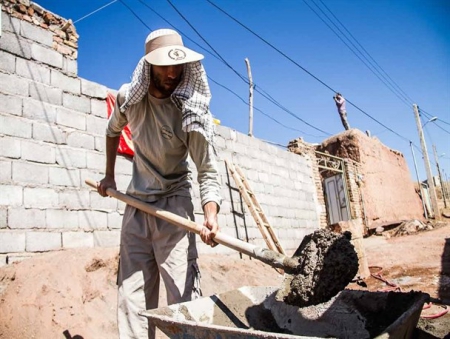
(151, 247)
(344, 121)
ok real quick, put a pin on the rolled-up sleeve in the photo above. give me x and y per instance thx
(204, 158)
(117, 121)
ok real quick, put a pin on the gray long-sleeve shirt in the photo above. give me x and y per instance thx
(161, 148)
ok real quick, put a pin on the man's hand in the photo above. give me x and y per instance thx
(211, 228)
(104, 184)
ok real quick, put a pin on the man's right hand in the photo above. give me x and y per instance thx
(104, 184)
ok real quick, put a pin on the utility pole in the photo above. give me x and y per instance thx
(250, 98)
(440, 176)
(432, 190)
(422, 196)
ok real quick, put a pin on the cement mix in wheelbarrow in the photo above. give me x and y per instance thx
(327, 263)
(255, 312)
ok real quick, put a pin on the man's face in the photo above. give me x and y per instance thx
(164, 80)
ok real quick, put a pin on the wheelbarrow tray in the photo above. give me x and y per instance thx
(255, 312)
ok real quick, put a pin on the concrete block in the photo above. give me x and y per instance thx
(12, 242)
(5, 171)
(13, 44)
(99, 108)
(43, 241)
(46, 55)
(39, 110)
(30, 173)
(77, 239)
(40, 197)
(11, 83)
(93, 89)
(100, 203)
(72, 199)
(45, 93)
(9, 23)
(71, 118)
(114, 221)
(11, 195)
(96, 125)
(32, 70)
(36, 33)
(38, 152)
(3, 218)
(77, 103)
(122, 181)
(64, 177)
(62, 219)
(71, 157)
(7, 62)
(21, 218)
(49, 133)
(65, 82)
(123, 165)
(15, 126)
(93, 220)
(100, 143)
(70, 67)
(10, 147)
(106, 238)
(81, 140)
(95, 161)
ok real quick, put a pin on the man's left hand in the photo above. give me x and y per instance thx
(211, 224)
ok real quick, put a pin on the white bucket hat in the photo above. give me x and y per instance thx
(164, 47)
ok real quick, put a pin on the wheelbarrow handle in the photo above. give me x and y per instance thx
(267, 256)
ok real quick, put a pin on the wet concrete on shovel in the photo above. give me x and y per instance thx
(327, 263)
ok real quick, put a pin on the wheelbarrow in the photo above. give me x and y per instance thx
(254, 312)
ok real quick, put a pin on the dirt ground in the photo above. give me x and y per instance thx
(72, 293)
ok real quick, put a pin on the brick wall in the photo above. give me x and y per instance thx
(52, 126)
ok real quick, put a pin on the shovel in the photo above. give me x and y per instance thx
(265, 255)
(321, 267)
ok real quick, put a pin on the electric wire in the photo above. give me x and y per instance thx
(95, 11)
(134, 13)
(206, 42)
(259, 110)
(371, 67)
(275, 120)
(245, 80)
(177, 29)
(301, 67)
(368, 54)
(430, 116)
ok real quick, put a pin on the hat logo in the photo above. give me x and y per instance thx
(177, 54)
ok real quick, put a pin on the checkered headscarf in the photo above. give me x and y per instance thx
(191, 97)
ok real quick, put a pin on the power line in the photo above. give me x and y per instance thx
(206, 42)
(245, 80)
(376, 63)
(134, 13)
(95, 11)
(170, 24)
(429, 116)
(259, 110)
(305, 70)
(221, 59)
(371, 67)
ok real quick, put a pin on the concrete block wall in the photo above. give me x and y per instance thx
(52, 134)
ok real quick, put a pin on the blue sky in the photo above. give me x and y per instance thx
(405, 43)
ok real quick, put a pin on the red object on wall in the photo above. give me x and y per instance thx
(126, 146)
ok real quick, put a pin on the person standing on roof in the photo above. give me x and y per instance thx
(340, 104)
(166, 106)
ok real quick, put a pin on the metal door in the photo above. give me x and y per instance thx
(335, 192)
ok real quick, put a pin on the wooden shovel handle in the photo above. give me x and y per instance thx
(176, 220)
